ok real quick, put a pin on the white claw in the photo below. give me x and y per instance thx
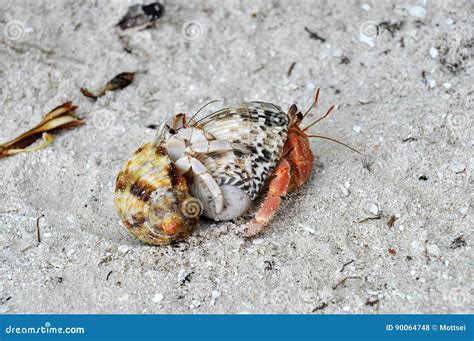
(191, 134)
(183, 164)
(215, 191)
(201, 171)
(198, 167)
(186, 144)
(175, 147)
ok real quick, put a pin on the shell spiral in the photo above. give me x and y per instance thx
(152, 200)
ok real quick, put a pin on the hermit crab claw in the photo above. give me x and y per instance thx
(200, 174)
(175, 147)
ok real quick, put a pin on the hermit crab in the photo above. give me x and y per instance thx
(217, 166)
(231, 154)
(226, 158)
(227, 155)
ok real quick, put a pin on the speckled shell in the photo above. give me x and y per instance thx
(152, 200)
(262, 127)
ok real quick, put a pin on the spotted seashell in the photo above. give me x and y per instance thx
(152, 200)
(262, 127)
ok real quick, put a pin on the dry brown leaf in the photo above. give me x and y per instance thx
(141, 16)
(120, 81)
(60, 117)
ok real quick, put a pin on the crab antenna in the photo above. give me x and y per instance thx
(205, 105)
(321, 118)
(314, 103)
(334, 140)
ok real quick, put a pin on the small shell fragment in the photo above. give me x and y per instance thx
(141, 15)
(433, 52)
(417, 11)
(433, 250)
(374, 209)
(158, 298)
(308, 229)
(344, 190)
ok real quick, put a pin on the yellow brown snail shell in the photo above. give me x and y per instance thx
(152, 200)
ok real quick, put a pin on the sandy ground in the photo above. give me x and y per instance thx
(401, 75)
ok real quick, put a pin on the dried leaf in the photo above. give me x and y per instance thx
(120, 81)
(48, 139)
(141, 16)
(60, 117)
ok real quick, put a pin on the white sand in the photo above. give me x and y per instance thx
(87, 262)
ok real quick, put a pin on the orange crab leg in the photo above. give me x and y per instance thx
(277, 189)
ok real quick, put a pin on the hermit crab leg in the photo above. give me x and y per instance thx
(187, 163)
(176, 147)
(277, 189)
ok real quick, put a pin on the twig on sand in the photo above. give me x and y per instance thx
(346, 264)
(369, 218)
(38, 231)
